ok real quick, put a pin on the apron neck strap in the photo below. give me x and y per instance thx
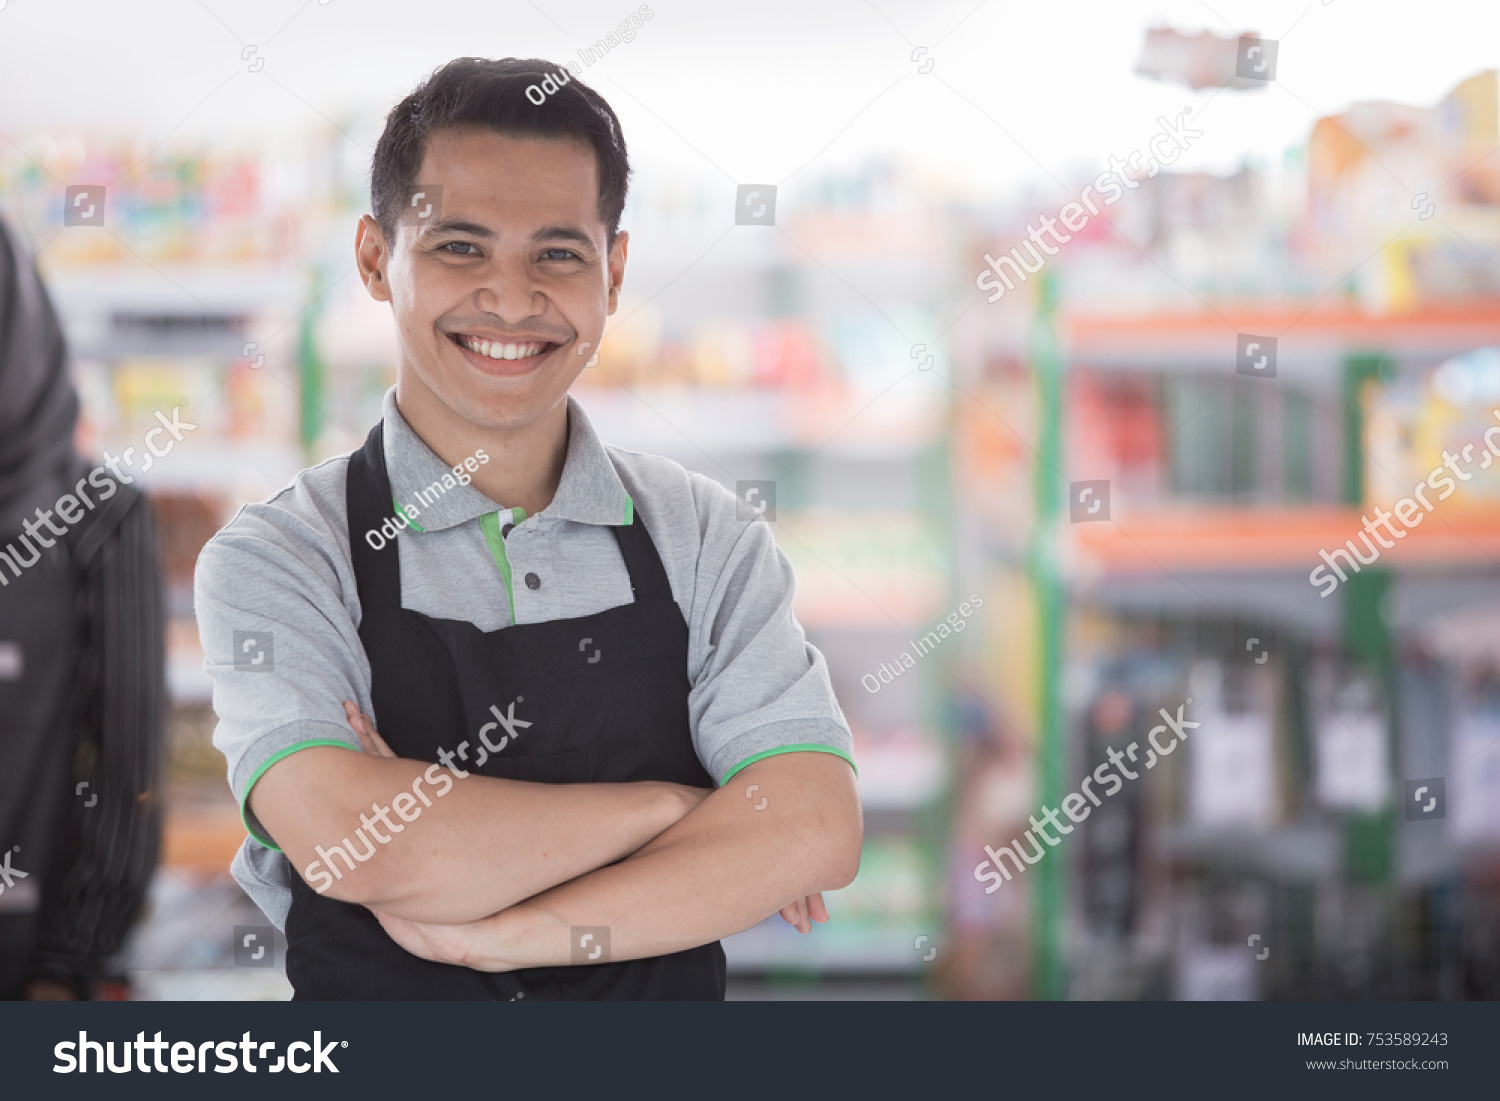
(648, 577)
(377, 573)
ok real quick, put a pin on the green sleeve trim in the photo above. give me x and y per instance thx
(801, 747)
(258, 773)
(401, 512)
(629, 510)
(490, 522)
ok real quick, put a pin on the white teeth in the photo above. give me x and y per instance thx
(502, 351)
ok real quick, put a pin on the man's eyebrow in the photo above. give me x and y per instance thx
(474, 229)
(563, 233)
(458, 225)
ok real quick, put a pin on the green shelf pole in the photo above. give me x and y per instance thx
(1047, 978)
(311, 372)
(1369, 839)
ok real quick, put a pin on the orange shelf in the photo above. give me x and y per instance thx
(1461, 325)
(1244, 538)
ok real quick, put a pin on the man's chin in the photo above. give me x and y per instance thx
(488, 403)
(507, 413)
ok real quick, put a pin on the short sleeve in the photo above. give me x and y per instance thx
(761, 688)
(280, 639)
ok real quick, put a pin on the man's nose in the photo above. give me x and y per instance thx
(511, 291)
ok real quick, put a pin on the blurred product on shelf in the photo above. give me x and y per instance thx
(846, 578)
(1363, 166)
(1202, 59)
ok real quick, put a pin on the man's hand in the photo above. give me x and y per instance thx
(455, 944)
(798, 913)
(462, 945)
(364, 730)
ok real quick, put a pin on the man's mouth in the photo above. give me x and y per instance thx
(503, 350)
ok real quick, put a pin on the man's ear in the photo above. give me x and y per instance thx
(371, 256)
(617, 255)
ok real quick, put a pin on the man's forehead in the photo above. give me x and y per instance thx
(551, 182)
(480, 154)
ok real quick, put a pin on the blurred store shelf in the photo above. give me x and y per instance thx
(1186, 538)
(773, 944)
(673, 420)
(184, 949)
(1308, 337)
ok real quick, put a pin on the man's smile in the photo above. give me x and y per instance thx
(495, 356)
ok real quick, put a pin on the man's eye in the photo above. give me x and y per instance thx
(460, 245)
(559, 254)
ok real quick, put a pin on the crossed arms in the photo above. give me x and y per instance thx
(495, 873)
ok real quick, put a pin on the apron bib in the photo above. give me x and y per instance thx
(606, 699)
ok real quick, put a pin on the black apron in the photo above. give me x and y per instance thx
(606, 695)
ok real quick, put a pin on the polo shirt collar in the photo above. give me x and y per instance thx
(590, 491)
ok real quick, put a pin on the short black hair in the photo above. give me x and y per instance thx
(480, 92)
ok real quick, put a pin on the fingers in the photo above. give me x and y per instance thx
(795, 915)
(364, 729)
(802, 913)
(357, 724)
(816, 908)
(380, 746)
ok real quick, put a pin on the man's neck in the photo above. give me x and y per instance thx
(525, 465)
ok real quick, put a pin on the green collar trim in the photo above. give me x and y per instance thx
(401, 512)
(490, 523)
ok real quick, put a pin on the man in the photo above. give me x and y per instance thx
(565, 646)
(83, 696)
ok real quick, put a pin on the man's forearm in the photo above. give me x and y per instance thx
(480, 845)
(724, 867)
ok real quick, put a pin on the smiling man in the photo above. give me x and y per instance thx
(632, 632)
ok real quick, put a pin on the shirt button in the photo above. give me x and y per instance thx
(506, 530)
(533, 581)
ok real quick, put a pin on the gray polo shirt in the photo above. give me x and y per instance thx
(278, 610)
